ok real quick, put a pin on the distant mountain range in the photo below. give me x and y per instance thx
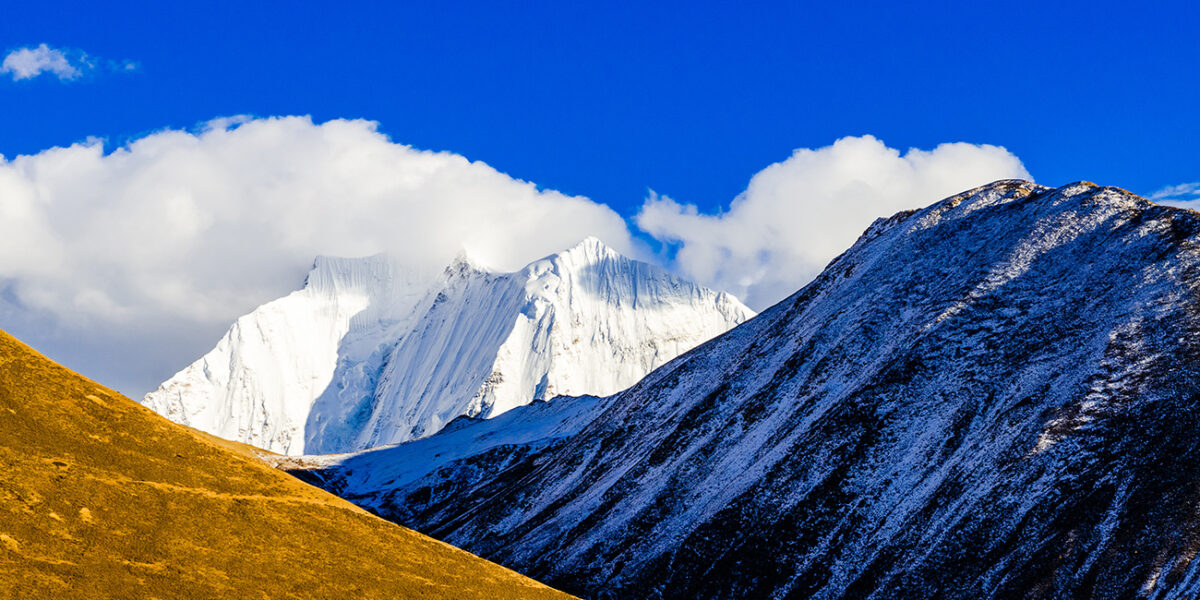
(368, 353)
(996, 396)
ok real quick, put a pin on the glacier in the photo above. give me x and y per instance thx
(369, 353)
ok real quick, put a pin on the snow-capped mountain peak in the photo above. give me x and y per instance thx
(590, 248)
(369, 353)
(465, 265)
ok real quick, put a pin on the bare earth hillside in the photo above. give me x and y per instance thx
(101, 497)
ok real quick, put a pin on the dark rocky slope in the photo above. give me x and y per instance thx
(995, 396)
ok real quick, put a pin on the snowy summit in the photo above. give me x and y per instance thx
(368, 353)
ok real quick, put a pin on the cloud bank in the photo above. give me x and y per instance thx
(1185, 195)
(66, 65)
(129, 264)
(135, 261)
(796, 215)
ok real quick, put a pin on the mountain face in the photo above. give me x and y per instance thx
(102, 498)
(412, 481)
(258, 384)
(368, 354)
(996, 396)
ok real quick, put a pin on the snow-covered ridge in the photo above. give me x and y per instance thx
(252, 387)
(410, 476)
(995, 396)
(368, 353)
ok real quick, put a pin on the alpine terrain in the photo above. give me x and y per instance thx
(102, 498)
(995, 396)
(368, 354)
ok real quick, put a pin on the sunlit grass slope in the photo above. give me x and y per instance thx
(100, 498)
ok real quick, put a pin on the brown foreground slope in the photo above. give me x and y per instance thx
(100, 497)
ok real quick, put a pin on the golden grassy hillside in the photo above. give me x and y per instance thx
(102, 498)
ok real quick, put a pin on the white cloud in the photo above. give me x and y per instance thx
(129, 264)
(27, 63)
(796, 215)
(66, 65)
(1185, 195)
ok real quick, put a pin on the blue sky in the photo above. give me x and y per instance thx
(689, 99)
(127, 266)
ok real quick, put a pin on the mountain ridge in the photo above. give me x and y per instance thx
(358, 358)
(101, 497)
(992, 396)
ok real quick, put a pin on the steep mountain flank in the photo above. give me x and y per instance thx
(995, 396)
